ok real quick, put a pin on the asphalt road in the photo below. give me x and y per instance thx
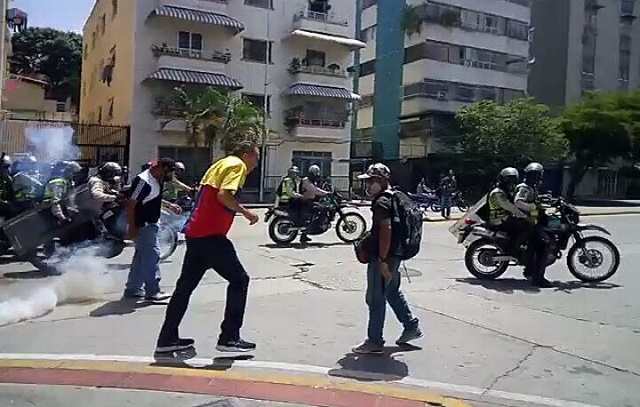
(501, 342)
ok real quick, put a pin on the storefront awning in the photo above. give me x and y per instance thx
(303, 89)
(198, 16)
(197, 77)
(349, 42)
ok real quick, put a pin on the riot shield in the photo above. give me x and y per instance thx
(478, 212)
(31, 229)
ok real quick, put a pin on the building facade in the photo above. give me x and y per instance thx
(426, 59)
(582, 45)
(290, 58)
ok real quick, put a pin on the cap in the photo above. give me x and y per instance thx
(376, 170)
(166, 162)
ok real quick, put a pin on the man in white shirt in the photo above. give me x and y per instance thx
(310, 192)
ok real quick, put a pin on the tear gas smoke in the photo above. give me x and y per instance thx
(86, 277)
(53, 143)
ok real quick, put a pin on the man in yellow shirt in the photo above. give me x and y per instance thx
(208, 247)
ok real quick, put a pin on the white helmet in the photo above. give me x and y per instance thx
(180, 166)
(314, 170)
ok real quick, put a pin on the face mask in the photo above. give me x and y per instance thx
(375, 188)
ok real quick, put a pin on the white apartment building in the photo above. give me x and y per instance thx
(290, 57)
(465, 51)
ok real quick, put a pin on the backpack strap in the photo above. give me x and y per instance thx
(394, 204)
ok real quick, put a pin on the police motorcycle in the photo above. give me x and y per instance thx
(350, 226)
(590, 258)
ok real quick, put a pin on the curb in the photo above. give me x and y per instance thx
(587, 214)
(177, 376)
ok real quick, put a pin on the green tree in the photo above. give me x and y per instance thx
(212, 116)
(512, 134)
(56, 54)
(601, 128)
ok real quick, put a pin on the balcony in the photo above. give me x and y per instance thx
(173, 57)
(169, 116)
(329, 75)
(325, 23)
(325, 122)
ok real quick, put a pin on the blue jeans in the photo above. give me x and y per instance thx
(145, 266)
(379, 293)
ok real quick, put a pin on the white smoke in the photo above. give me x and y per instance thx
(86, 278)
(53, 143)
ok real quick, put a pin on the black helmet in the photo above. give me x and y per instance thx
(109, 170)
(508, 177)
(146, 166)
(533, 174)
(65, 169)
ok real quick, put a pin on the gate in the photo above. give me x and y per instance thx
(53, 140)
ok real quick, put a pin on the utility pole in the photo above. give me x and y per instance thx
(265, 132)
(3, 49)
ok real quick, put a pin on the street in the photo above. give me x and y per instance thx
(491, 343)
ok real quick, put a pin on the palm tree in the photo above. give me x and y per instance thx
(213, 117)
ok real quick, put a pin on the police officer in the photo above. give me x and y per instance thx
(7, 193)
(289, 186)
(502, 212)
(310, 192)
(26, 182)
(171, 188)
(58, 187)
(527, 200)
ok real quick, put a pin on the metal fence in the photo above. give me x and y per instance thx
(91, 144)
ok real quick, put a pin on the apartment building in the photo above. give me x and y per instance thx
(289, 57)
(426, 59)
(581, 45)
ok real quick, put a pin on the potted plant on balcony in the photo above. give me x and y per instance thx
(411, 22)
(295, 65)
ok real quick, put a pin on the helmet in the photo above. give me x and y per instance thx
(109, 170)
(533, 174)
(508, 177)
(293, 171)
(65, 169)
(180, 166)
(146, 166)
(314, 170)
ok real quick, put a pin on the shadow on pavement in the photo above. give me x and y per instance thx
(25, 275)
(511, 285)
(317, 245)
(122, 307)
(178, 359)
(356, 366)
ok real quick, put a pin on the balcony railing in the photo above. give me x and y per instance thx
(295, 68)
(217, 56)
(298, 116)
(316, 16)
(165, 108)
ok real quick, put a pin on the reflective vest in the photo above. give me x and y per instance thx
(497, 214)
(56, 188)
(26, 186)
(169, 191)
(287, 188)
(532, 195)
(5, 189)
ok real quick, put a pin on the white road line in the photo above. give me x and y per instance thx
(291, 367)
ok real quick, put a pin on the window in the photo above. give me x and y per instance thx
(413, 53)
(510, 94)
(436, 51)
(61, 107)
(259, 3)
(103, 23)
(368, 34)
(196, 159)
(114, 7)
(305, 159)
(624, 65)
(517, 30)
(257, 50)
(465, 93)
(189, 41)
(368, 3)
(315, 58)
(368, 68)
(110, 109)
(488, 94)
(429, 88)
(258, 101)
(627, 7)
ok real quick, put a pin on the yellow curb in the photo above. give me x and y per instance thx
(329, 383)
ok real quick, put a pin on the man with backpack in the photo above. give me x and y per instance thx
(395, 236)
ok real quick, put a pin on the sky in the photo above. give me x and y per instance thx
(65, 15)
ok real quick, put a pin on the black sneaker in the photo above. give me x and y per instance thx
(542, 283)
(235, 346)
(180, 344)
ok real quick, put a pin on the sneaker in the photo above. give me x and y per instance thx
(368, 348)
(180, 344)
(305, 239)
(159, 296)
(132, 296)
(239, 345)
(409, 334)
(542, 283)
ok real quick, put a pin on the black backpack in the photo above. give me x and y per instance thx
(407, 221)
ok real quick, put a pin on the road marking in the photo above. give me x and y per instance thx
(55, 360)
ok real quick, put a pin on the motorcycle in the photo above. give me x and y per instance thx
(456, 200)
(486, 244)
(428, 200)
(350, 226)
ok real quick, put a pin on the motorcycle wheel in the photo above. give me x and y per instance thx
(484, 249)
(280, 230)
(584, 253)
(167, 241)
(351, 227)
(435, 207)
